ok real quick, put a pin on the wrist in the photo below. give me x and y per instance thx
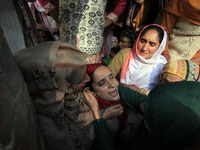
(142, 90)
(96, 115)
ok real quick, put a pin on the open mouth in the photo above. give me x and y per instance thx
(114, 93)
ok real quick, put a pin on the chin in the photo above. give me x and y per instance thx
(115, 99)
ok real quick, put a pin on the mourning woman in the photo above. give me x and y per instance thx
(55, 74)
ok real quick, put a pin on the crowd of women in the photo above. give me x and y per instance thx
(139, 92)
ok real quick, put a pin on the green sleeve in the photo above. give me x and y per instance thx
(132, 98)
(104, 139)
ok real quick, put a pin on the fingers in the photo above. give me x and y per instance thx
(86, 89)
(90, 99)
(87, 93)
(117, 106)
(116, 109)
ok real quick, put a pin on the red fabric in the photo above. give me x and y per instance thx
(91, 67)
(116, 7)
(132, 84)
(44, 2)
(103, 103)
(122, 118)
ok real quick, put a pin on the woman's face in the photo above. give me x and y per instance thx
(105, 85)
(84, 79)
(123, 44)
(169, 77)
(148, 44)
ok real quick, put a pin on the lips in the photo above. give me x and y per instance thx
(142, 53)
(114, 93)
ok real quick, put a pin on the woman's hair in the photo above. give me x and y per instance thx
(157, 28)
(128, 35)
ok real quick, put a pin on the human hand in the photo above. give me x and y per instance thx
(112, 111)
(92, 102)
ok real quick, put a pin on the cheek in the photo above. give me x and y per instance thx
(99, 91)
(127, 45)
(116, 83)
(139, 45)
(77, 87)
(152, 50)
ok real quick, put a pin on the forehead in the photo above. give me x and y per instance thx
(101, 72)
(150, 34)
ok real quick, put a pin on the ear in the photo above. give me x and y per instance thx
(94, 94)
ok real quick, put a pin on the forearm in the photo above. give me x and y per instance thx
(137, 89)
(132, 98)
(96, 114)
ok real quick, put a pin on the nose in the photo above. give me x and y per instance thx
(110, 84)
(145, 48)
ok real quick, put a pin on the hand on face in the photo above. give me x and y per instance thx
(92, 102)
(112, 111)
(90, 99)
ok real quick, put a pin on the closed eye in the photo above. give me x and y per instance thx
(152, 44)
(143, 41)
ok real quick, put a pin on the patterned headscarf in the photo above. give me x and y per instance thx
(184, 69)
(172, 112)
(50, 69)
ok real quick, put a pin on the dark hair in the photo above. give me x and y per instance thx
(157, 28)
(115, 49)
(130, 34)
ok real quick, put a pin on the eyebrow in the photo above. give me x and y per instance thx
(104, 78)
(146, 41)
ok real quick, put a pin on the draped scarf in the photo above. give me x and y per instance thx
(50, 69)
(136, 70)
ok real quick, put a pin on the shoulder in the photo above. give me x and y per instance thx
(125, 51)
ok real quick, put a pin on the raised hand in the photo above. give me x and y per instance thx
(92, 102)
(112, 111)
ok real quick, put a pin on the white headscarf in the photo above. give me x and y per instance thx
(136, 69)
